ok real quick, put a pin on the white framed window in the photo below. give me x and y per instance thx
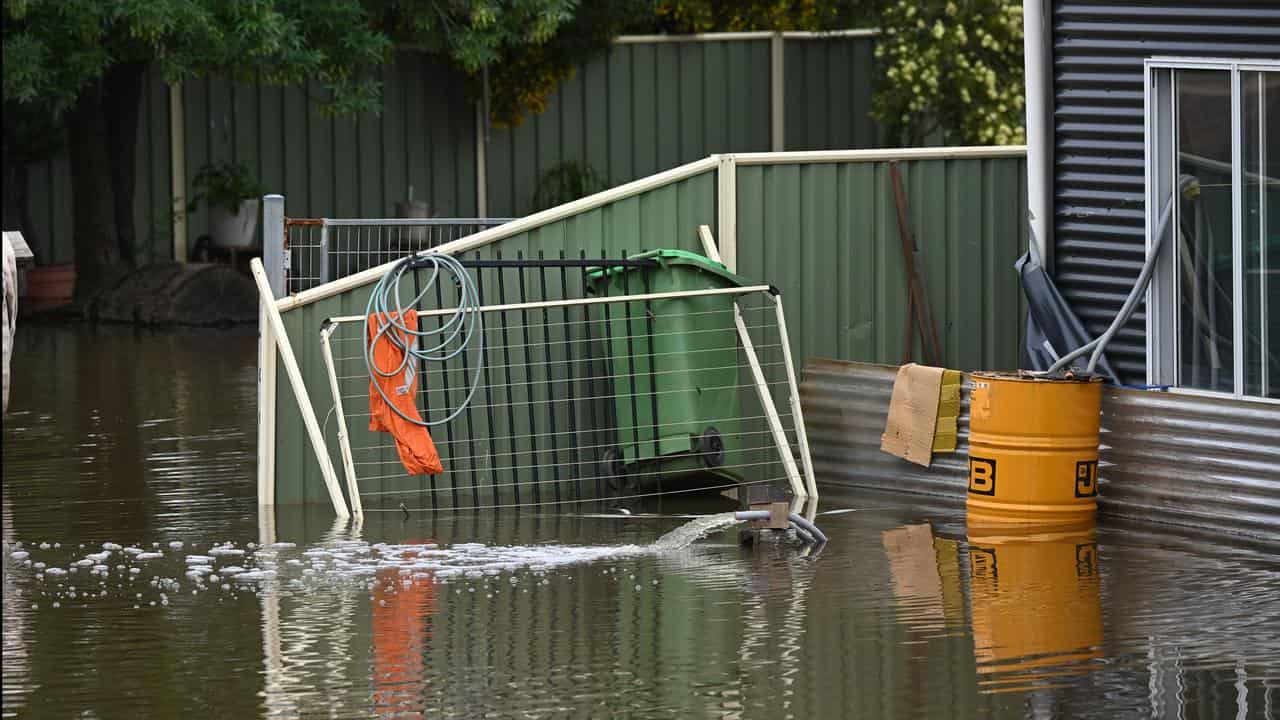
(1213, 186)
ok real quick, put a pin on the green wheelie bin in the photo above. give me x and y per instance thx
(673, 367)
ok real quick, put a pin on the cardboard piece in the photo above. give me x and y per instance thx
(945, 431)
(913, 414)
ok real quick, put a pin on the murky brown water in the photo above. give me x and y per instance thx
(144, 439)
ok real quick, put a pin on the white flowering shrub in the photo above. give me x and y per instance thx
(953, 66)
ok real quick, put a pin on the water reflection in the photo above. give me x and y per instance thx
(1035, 604)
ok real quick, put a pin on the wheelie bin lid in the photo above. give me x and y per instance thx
(668, 258)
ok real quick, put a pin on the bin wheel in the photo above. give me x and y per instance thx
(614, 469)
(710, 447)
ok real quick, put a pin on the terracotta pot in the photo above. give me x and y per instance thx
(50, 285)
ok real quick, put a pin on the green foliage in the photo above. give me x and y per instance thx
(699, 16)
(564, 183)
(477, 33)
(526, 76)
(53, 49)
(224, 185)
(954, 65)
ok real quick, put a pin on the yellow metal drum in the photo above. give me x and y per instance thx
(1035, 603)
(1033, 450)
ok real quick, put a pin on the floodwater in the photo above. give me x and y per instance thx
(140, 582)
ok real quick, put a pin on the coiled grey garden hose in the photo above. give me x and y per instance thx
(385, 303)
(1186, 184)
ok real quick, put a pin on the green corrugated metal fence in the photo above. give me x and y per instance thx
(829, 84)
(357, 166)
(641, 108)
(48, 189)
(827, 235)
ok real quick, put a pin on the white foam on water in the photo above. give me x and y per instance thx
(175, 545)
(693, 531)
(354, 565)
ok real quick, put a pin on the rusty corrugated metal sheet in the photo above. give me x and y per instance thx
(1198, 461)
(1208, 463)
(845, 406)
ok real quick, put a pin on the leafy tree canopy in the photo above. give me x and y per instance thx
(954, 66)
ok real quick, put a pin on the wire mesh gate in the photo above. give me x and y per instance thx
(580, 396)
(320, 250)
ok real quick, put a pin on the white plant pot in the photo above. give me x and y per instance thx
(234, 230)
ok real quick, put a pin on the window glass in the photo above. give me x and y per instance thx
(1204, 233)
(1260, 100)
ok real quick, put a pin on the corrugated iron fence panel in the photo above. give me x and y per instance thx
(423, 139)
(1206, 463)
(646, 107)
(640, 109)
(1098, 49)
(1196, 461)
(845, 407)
(666, 216)
(827, 235)
(828, 87)
(47, 193)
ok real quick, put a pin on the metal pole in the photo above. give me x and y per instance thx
(572, 302)
(178, 172)
(727, 211)
(771, 412)
(294, 373)
(326, 269)
(805, 459)
(1038, 70)
(273, 241)
(482, 144)
(777, 93)
(344, 440)
(266, 412)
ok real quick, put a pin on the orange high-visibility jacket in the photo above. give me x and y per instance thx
(413, 442)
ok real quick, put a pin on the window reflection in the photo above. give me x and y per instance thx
(1260, 100)
(1204, 237)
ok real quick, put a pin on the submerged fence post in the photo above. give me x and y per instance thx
(273, 243)
(273, 260)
